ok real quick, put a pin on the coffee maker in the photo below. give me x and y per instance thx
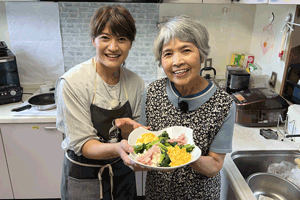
(10, 89)
(237, 79)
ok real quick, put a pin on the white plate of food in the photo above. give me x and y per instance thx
(176, 143)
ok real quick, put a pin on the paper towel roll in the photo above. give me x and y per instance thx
(294, 115)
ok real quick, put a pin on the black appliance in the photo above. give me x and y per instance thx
(259, 107)
(237, 79)
(10, 89)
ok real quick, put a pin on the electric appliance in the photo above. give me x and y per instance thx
(237, 79)
(259, 107)
(10, 89)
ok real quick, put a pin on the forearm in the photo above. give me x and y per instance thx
(95, 149)
(209, 165)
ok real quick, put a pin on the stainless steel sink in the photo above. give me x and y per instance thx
(249, 162)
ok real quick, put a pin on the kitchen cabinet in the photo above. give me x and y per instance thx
(34, 156)
(5, 185)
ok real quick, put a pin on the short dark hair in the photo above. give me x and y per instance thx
(117, 17)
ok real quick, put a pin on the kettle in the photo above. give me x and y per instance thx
(206, 68)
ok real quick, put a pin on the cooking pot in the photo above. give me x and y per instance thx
(45, 101)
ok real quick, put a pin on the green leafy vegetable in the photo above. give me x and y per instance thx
(163, 135)
(189, 147)
(149, 145)
(139, 148)
(174, 144)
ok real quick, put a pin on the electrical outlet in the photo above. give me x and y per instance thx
(273, 79)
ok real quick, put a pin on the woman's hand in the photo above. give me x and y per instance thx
(123, 150)
(127, 125)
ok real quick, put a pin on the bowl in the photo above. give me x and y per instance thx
(272, 186)
(173, 132)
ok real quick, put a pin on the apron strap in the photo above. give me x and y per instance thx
(111, 174)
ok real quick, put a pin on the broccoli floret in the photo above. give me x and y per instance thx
(139, 148)
(164, 134)
(189, 148)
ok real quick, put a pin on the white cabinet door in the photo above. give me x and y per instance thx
(34, 157)
(284, 1)
(5, 185)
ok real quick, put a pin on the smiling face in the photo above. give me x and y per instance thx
(111, 50)
(181, 63)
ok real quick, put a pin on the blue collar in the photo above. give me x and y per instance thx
(191, 95)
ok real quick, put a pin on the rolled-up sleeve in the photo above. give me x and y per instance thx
(73, 117)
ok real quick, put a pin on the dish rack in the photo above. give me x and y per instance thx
(284, 130)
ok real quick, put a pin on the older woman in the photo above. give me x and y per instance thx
(185, 98)
(89, 97)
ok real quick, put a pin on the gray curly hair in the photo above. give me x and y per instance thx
(185, 29)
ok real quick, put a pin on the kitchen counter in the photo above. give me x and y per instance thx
(7, 117)
(245, 138)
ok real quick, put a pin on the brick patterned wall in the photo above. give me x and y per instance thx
(77, 46)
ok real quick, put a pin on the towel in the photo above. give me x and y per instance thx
(294, 118)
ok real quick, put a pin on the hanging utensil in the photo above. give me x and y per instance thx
(45, 101)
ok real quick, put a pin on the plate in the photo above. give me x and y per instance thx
(174, 132)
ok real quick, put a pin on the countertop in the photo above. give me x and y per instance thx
(6, 115)
(246, 138)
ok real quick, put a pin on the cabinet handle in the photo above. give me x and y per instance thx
(49, 128)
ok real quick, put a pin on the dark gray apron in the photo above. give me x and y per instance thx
(81, 179)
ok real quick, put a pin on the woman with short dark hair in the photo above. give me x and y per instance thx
(90, 98)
